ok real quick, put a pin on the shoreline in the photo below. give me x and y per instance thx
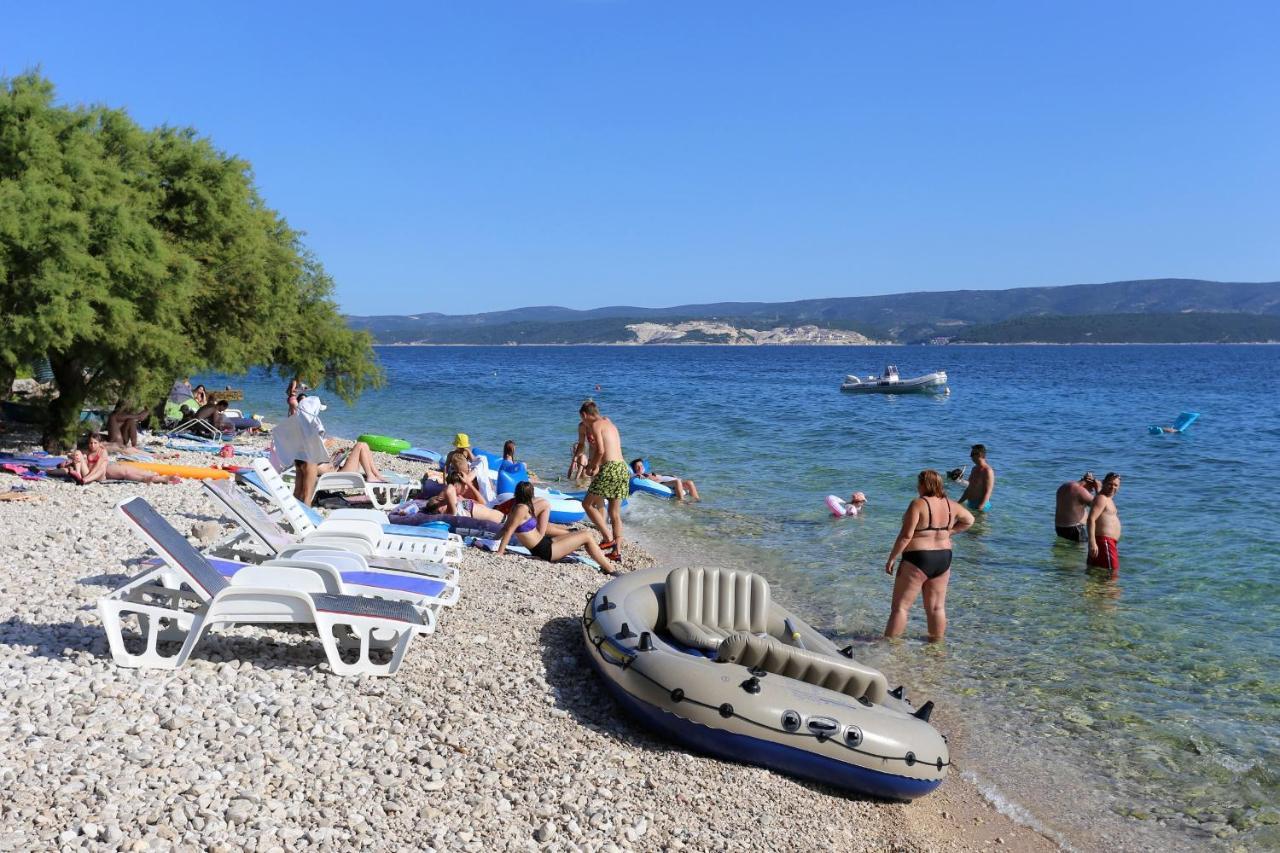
(489, 736)
(871, 344)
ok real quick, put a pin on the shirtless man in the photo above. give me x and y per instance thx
(91, 464)
(982, 481)
(1104, 527)
(611, 478)
(1074, 499)
(122, 425)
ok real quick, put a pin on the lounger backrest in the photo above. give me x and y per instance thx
(772, 655)
(248, 514)
(172, 546)
(283, 496)
(706, 605)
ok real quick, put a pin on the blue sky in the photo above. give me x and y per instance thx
(463, 157)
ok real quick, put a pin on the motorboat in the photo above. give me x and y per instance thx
(890, 382)
(705, 657)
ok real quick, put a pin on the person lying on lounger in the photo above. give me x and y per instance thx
(90, 464)
(358, 458)
(676, 484)
(454, 500)
(529, 523)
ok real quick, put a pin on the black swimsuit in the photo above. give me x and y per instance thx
(935, 562)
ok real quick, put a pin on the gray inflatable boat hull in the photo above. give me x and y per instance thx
(882, 749)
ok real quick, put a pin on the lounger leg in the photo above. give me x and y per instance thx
(362, 642)
(157, 625)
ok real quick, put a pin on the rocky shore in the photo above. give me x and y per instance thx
(495, 734)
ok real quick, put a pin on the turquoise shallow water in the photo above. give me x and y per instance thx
(1143, 712)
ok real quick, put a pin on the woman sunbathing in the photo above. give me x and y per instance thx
(90, 464)
(358, 458)
(453, 500)
(529, 522)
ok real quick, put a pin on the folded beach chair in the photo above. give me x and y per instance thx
(358, 533)
(198, 427)
(261, 529)
(177, 603)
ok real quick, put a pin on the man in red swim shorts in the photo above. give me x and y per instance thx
(1104, 527)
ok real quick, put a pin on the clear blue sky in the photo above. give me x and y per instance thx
(469, 156)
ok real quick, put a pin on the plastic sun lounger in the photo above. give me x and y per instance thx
(329, 571)
(383, 495)
(358, 534)
(257, 484)
(261, 528)
(179, 602)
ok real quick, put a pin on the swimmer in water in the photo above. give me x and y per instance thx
(982, 481)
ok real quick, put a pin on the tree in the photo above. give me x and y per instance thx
(129, 257)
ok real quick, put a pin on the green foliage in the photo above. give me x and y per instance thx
(1129, 329)
(130, 257)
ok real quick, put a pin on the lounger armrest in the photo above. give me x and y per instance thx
(350, 527)
(299, 575)
(376, 516)
(355, 544)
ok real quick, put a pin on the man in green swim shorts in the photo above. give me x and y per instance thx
(610, 476)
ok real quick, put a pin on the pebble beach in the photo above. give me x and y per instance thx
(494, 734)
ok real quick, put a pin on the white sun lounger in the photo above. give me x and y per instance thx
(395, 490)
(261, 528)
(358, 534)
(178, 602)
(257, 484)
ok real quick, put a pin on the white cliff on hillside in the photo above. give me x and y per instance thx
(703, 331)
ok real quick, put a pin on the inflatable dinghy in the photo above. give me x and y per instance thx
(706, 658)
(890, 382)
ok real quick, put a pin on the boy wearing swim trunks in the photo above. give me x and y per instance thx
(1104, 527)
(610, 476)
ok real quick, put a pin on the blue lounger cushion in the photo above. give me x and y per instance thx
(382, 580)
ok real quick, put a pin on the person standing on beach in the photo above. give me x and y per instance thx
(1074, 499)
(924, 544)
(610, 476)
(296, 387)
(1104, 527)
(982, 481)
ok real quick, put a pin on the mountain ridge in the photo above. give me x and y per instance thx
(900, 317)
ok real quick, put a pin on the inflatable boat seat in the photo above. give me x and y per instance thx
(772, 655)
(706, 605)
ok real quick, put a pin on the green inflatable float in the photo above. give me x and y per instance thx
(384, 444)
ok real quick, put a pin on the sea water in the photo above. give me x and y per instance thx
(1141, 712)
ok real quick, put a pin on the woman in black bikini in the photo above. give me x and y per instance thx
(528, 524)
(924, 544)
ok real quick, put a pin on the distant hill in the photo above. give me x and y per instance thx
(1129, 329)
(903, 317)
